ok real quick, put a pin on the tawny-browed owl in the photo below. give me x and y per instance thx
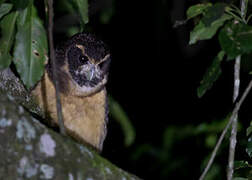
(82, 65)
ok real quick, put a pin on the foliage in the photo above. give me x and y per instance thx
(121, 117)
(24, 40)
(164, 159)
(235, 38)
(211, 75)
(30, 49)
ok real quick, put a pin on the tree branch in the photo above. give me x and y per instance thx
(234, 112)
(30, 150)
(233, 139)
(53, 63)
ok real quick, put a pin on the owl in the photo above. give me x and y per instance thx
(82, 65)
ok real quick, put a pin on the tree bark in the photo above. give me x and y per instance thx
(30, 150)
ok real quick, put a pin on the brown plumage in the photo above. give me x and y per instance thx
(82, 69)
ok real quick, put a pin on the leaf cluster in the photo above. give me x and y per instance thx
(231, 25)
(234, 35)
(23, 38)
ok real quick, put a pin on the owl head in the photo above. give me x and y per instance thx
(82, 65)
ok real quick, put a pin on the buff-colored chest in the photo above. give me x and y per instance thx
(84, 117)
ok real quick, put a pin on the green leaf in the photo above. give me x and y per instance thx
(236, 39)
(203, 32)
(197, 9)
(213, 13)
(82, 7)
(249, 147)
(211, 140)
(249, 130)
(30, 51)
(119, 114)
(141, 150)
(211, 75)
(21, 4)
(249, 144)
(7, 30)
(241, 164)
(4, 9)
(72, 31)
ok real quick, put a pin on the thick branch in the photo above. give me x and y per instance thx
(29, 150)
(10, 84)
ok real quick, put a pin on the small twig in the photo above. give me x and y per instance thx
(234, 112)
(244, 6)
(53, 63)
(236, 78)
(233, 139)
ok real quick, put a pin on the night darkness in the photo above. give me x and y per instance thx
(154, 76)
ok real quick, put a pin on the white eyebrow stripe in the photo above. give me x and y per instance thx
(81, 47)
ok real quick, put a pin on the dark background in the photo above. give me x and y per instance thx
(154, 76)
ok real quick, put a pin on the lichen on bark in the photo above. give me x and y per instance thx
(30, 150)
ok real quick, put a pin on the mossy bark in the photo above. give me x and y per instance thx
(30, 150)
(14, 88)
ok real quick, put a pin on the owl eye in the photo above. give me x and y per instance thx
(83, 59)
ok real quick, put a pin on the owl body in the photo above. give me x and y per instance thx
(82, 68)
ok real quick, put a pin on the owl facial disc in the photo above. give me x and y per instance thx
(88, 63)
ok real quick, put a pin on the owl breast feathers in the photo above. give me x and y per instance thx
(82, 65)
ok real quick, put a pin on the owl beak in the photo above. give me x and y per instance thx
(90, 73)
